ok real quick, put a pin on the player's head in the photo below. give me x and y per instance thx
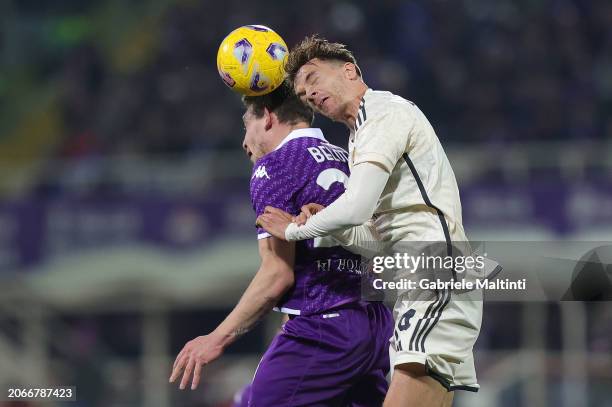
(269, 118)
(325, 75)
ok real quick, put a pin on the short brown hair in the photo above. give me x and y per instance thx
(317, 47)
(283, 102)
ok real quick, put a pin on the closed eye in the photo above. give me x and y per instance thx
(308, 76)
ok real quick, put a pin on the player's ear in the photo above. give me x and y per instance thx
(267, 119)
(351, 71)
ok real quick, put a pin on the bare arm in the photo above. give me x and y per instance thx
(274, 277)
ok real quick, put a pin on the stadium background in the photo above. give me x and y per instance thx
(125, 222)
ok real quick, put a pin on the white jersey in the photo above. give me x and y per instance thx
(419, 205)
(420, 202)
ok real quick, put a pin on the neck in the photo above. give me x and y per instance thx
(282, 132)
(352, 108)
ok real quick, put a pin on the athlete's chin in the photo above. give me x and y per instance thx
(255, 157)
(330, 114)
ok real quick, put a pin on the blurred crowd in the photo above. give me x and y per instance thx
(484, 72)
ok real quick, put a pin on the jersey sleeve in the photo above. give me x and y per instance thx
(272, 184)
(384, 138)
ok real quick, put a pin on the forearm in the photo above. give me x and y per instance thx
(353, 208)
(362, 240)
(259, 298)
(334, 218)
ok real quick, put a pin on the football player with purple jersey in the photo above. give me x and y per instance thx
(333, 350)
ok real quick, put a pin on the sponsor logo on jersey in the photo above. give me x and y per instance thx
(260, 172)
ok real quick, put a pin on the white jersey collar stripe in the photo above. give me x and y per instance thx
(299, 133)
(361, 113)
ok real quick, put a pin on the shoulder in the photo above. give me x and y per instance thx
(262, 167)
(304, 154)
(265, 174)
(277, 171)
(270, 184)
(379, 106)
(377, 101)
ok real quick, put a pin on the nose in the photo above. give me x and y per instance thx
(312, 96)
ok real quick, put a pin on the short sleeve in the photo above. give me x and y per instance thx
(272, 185)
(384, 138)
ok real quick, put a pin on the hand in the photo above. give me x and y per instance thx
(274, 221)
(307, 211)
(195, 354)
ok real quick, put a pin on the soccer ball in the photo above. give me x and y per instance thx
(251, 60)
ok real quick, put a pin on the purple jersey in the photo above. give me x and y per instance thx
(304, 169)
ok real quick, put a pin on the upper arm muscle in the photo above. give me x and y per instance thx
(278, 251)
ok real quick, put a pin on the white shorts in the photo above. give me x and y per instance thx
(440, 333)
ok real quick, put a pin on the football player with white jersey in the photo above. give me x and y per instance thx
(401, 189)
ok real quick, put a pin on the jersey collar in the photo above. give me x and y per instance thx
(361, 113)
(299, 133)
